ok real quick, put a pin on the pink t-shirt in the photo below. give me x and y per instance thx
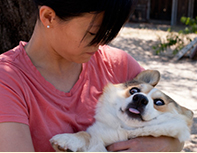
(26, 97)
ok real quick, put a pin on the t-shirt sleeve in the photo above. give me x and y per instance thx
(12, 99)
(124, 66)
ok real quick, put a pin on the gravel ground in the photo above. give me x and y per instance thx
(178, 79)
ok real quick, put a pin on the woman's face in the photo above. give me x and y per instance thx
(67, 37)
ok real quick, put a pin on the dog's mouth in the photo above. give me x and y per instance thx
(133, 113)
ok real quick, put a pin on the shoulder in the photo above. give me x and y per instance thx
(11, 66)
(10, 79)
(123, 65)
(117, 56)
(12, 83)
(112, 53)
(14, 56)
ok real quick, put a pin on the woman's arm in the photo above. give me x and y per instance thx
(15, 137)
(148, 144)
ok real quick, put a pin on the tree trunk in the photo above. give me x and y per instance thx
(17, 19)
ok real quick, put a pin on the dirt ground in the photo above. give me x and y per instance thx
(178, 79)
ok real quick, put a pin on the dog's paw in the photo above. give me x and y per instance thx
(66, 142)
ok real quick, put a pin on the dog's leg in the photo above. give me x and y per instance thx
(98, 147)
(173, 128)
(73, 142)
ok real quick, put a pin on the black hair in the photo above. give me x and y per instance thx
(116, 13)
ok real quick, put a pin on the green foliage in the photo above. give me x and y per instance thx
(191, 23)
(172, 39)
(177, 39)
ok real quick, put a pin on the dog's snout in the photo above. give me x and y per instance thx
(140, 99)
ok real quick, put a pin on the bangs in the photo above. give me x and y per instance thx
(116, 13)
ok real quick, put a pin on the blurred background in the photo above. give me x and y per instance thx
(168, 11)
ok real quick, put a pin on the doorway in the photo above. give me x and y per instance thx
(161, 10)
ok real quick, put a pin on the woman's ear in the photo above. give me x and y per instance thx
(47, 15)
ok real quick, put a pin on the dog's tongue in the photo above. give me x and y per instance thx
(133, 110)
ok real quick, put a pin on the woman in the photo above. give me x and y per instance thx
(51, 84)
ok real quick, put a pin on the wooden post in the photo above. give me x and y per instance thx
(148, 10)
(191, 8)
(174, 12)
(184, 50)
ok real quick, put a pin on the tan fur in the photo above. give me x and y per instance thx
(86, 137)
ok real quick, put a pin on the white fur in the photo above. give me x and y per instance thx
(71, 142)
(112, 125)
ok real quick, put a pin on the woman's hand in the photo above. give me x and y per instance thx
(147, 144)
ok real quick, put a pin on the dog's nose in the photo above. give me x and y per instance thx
(140, 99)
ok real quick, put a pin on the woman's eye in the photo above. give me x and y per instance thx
(134, 90)
(159, 102)
(92, 34)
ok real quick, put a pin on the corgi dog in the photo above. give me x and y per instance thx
(128, 110)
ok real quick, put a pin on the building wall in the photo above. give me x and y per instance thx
(164, 10)
(140, 13)
(160, 9)
(182, 9)
(195, 9)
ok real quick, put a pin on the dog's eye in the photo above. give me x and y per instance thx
(159, 102)
(134, 90)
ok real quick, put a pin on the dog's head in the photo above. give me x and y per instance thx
(138, 102)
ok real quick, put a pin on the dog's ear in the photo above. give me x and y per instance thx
(189, 114)
(149, 76)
